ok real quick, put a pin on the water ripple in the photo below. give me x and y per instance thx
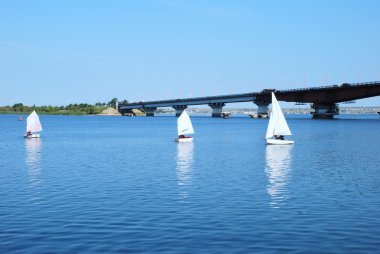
(121, 185)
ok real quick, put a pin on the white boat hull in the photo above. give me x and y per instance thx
(32, 136)
(272, 141)
(183, 140)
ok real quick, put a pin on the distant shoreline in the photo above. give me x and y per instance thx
(204, 111)
(306, 111)
(107, 111)
(47, 113)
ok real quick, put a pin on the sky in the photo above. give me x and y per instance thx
(88, 51)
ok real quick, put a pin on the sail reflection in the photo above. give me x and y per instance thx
(278, 162)
(184, 167)
(33, 160)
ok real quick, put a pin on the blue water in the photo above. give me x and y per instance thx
(96, 184)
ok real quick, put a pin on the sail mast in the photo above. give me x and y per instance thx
(271, 125)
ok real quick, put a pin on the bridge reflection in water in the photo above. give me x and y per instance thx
(278, 166)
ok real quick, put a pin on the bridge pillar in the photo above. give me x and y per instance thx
(150, 111)
(325, 111)
(217, 109)
(179, 109)
(263, 108)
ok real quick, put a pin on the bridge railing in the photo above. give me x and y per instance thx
(330, 87)
(193, 99)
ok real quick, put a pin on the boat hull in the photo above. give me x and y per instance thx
(273, 141)
(183, 140)
(32, 136)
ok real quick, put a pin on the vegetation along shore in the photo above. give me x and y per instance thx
(71, 109)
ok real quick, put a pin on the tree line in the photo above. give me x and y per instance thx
(71, 109)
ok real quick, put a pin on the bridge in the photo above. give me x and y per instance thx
(324, 99)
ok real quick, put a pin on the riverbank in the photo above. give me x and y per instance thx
(105, 112)
(71, 109)
(113, 112)
(63, 112)
(109, 112)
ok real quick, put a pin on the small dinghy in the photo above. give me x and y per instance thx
(277, 126)
(184, 127)
(33, 125)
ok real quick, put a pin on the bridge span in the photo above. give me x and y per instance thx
(324, 99)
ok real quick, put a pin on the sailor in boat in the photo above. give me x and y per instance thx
(182, 137)
(280, 137)
(28, 134)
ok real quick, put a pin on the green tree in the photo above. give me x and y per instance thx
(18, 107)
(112, 103)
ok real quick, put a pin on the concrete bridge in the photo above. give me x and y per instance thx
(324, 100)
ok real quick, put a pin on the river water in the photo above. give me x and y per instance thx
(94, 184)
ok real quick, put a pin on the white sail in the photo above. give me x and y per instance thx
(277, 123)
(184, 124)
(33, 123)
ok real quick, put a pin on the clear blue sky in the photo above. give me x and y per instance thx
(61, 52)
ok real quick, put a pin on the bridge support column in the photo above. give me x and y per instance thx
(150, 111)
(325, 111)
(179, 109)
(263, 108)
(217, 109)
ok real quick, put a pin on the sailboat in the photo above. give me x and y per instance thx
(33, 125)
(184, 127)
(277, 126)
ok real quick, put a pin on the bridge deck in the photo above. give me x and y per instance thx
(316, 95)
